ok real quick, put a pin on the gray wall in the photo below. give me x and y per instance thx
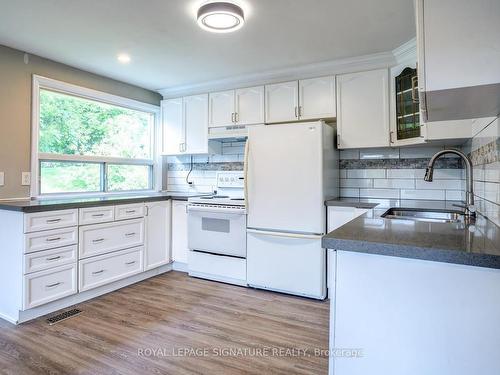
(15, 108)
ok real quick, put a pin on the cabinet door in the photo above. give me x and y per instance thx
(250, 105)
(179, 231)
(157, 234)
(196, 123)
(363, 109)
(173, 126)
(282, 102)
(221, 108)
(317, 98)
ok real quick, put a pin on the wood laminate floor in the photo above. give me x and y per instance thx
(174, 324)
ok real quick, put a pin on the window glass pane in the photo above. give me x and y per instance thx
(76, 126)
(68, 177)
(128, 177)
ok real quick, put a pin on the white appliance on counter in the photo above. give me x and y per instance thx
(290, 170)
(217, 232)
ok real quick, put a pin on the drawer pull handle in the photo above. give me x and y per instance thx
(129, 263)
(53, 221)
(53, 285)
(97, 215)
(97, 272)
(130, 212)
(53, 258)
(53, 239)
(98, 240)
(130, 234)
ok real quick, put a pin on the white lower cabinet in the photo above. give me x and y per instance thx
(158, 217)
(340, 215)
(179, 232)
(47, 286)
(104, 238)
(46, 259)
(104, 269)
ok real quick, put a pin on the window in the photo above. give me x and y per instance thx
(87, 141)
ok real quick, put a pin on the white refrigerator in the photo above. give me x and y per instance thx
(290, 170)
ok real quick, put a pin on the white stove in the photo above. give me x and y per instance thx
(217, 232)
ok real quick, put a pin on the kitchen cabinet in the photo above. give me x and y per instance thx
(243, 106)
(458, 44)
(317, 98)
(185, 125)
(387, 306)
(282, 102)
(406, 127)
(306, 99)
(338, 215)
(158, 221)
(180, 232)
(363, 109)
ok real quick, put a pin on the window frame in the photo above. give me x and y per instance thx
(41, 83)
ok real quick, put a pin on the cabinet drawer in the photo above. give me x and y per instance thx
(107, 268)
(50, 239)
(50, 220)
(129, 211)
(46, 286)
(46, 259)
(94, 215)
(104, 238)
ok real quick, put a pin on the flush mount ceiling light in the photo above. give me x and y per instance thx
(123, 58)
(220, 17)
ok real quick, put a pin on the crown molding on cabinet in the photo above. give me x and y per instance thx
(347, 65)
(406, 52)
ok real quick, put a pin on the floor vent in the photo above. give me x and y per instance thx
(63, 316)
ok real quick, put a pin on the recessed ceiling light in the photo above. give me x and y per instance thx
(123, 58)
(220, 17)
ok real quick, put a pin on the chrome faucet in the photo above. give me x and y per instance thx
(470, 209)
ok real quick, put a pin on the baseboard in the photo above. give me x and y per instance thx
(180, 266)
(74, 299)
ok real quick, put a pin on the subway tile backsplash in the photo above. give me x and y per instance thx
(398, 173)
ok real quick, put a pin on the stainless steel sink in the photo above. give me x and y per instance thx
(433, 216)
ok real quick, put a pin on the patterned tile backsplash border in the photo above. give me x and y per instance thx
(398, 173)
(484, 151)
(204, 168)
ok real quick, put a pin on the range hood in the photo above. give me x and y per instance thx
(228, 132)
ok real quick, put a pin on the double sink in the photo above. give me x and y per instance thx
(432, 216)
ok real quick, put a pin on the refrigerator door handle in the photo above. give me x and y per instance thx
(245, 173)
(282, 234)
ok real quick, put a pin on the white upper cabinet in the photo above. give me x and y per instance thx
(173, 126)
(458, 43)
(282, 102)
(363, 109)
(196, 123)
(249, 105)
(185, 125)
(306, 99)
(221, 110)
(317, 98)
(236, 107)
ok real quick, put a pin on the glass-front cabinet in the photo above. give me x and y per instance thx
(406, 128)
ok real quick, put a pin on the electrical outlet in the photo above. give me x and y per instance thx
(2, 178)
(25, 178)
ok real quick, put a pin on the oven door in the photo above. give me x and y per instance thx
(217, 230)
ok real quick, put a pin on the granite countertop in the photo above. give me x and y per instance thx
(475, 245)
(47, 204)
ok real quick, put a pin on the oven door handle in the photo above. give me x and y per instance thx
(218, 210)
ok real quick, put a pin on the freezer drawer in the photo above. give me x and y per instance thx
(286, 262)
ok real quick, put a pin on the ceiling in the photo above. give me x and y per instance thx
(168, 49)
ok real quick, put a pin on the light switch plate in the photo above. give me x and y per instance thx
(2, 178)
(25, 178)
